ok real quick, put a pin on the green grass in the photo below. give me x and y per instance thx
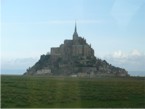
(42, 92)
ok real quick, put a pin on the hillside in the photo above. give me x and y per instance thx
(74, 58)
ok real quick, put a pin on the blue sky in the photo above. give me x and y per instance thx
(115, 29)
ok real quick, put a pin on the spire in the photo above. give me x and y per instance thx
(75, 35)
(75, 27)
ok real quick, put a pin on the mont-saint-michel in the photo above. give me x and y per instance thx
(75, 57)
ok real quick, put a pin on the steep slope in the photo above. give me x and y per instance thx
(77, 65)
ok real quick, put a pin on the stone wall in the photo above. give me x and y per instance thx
(44, 72)
(55, 51)
(68, 42)
(77, 47)
(88, 51)
(77, 50)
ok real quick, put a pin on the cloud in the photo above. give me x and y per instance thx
(131, 61)
(135, 53)
(21, 63)
(118, 54)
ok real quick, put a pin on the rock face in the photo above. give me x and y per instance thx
(74, 58)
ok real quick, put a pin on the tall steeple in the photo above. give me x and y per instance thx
(75, 27)
(75, 35)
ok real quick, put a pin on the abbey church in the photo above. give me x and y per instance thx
(74, 58)
(75, 47)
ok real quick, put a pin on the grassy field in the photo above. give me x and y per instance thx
(42, 92)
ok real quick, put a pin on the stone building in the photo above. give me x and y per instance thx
(75, 57)
(75, 47)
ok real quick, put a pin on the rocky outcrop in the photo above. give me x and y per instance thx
(74, 58)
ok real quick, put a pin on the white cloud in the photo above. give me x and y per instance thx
(131, 61)
(119, 54)
(135, 52)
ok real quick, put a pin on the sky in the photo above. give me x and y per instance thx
(114, 28)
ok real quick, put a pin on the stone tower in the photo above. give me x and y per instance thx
(75, 35)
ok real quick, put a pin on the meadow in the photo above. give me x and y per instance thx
(66, 92)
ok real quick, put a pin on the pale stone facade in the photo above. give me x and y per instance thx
(44, 71)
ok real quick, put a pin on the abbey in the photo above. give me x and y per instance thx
(75, 47)
(74, 58)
